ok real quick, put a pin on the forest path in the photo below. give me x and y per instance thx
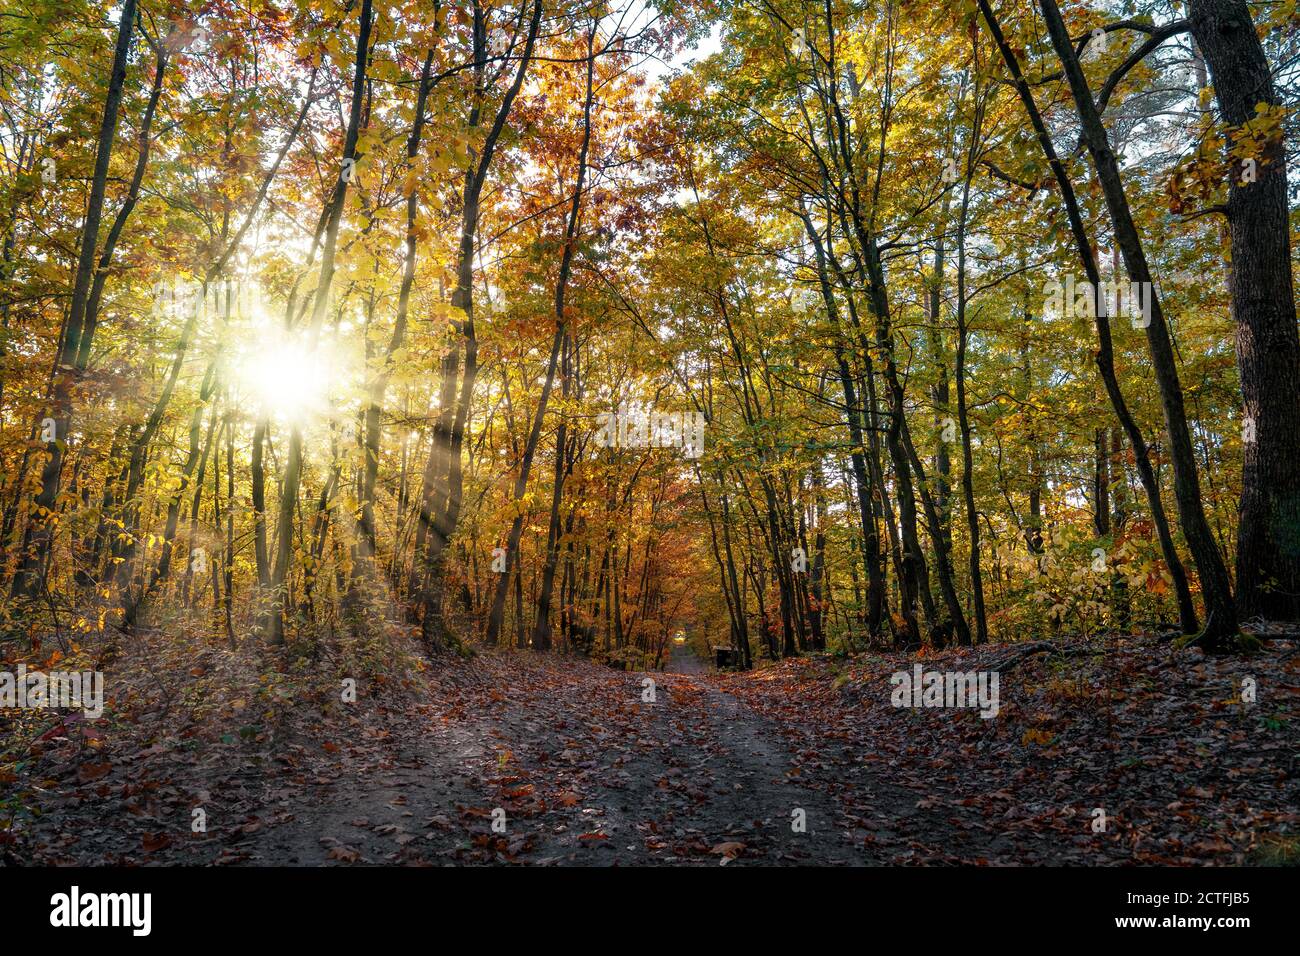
(682, 660)
(575, 765)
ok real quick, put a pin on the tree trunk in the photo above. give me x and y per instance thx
(293, 465)
(39, 536)
(963, 416)
(1263, 308)
(542, 632)
(374, 407)
(1105, 353)
(441, 501)
(1221, 611)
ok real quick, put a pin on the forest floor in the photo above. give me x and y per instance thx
(575, 765)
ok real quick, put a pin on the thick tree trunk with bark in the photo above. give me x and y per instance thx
(1263, 308)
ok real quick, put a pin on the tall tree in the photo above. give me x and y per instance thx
(1263, 308)
(70, 363)
(1220, 608)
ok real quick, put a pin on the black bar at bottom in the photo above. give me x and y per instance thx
(217, 907)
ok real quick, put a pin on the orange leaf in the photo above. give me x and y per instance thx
(729, 850)
(93, 771)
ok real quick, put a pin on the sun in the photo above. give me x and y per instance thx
(287, 377)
